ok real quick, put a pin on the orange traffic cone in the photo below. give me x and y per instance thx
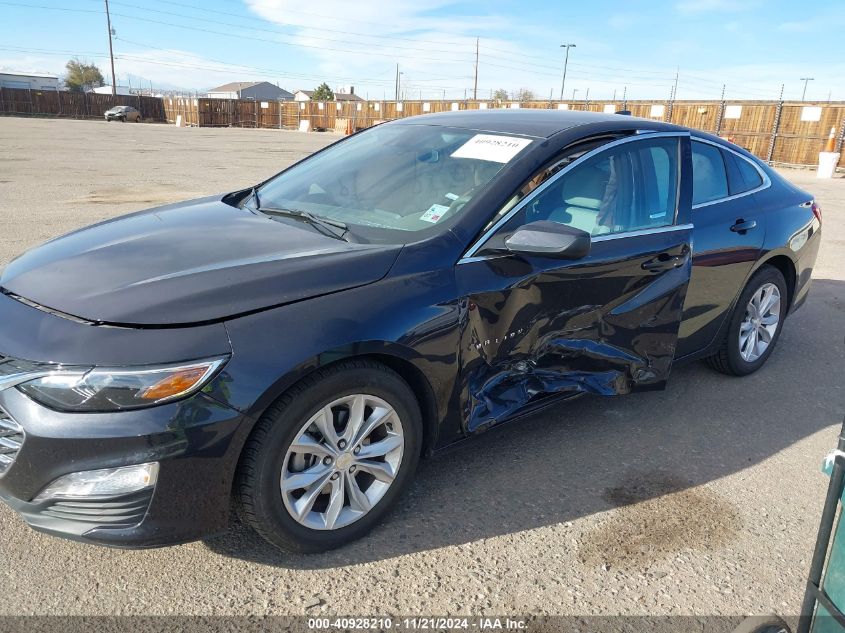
(830, 146)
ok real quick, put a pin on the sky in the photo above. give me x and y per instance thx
(636, 47)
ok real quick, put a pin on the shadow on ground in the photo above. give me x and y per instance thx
(649, 455)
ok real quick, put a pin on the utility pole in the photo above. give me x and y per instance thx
(574, 90)
(625, 97)
(397, 82)
(111, 52)
(565, 64)
(805, 80)
(475, 83)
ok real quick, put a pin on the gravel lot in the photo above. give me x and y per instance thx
(703, 499)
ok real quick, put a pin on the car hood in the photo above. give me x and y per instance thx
(188, 263)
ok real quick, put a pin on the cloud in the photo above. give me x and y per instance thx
(715, 6)
(434, 53)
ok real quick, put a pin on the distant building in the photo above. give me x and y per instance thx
(305, 95)
(256, 90)
(32, 81)
(106, 90)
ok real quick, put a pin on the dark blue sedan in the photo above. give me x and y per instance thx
(298, 345)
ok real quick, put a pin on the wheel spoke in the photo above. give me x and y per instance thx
(356, 418)
(325, 424)
(744, 340)
(771, 319)
(358, 500)
(378, 417)
(765, 335)
(381, 448)
(335, 501)
(380, 470)
(303, 505)
(771, 298)
(316, 475)
(752, 351)
(307, 445)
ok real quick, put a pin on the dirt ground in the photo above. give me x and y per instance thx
(702, 499)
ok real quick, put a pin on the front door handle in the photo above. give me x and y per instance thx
(741, 226)
(664, 261)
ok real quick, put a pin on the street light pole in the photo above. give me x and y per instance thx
(805, 80)
(565, 64)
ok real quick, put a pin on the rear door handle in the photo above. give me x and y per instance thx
(741, 226)
(664, 261)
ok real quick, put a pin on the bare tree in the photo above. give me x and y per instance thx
(524, 94)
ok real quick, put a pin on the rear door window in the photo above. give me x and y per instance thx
(709, 176)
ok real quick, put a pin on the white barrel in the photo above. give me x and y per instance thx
(827, 164)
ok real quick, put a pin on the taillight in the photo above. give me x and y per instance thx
(817, 211)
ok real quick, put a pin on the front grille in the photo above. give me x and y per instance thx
(11, 440)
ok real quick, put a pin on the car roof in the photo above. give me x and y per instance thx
(528, 121)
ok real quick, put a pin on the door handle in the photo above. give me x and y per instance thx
(741, 226)
(664, 261)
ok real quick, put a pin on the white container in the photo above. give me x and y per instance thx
(305, 126)
(827, 164)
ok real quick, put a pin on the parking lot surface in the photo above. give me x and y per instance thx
(701, 499)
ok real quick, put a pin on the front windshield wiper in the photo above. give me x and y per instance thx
(329, 226)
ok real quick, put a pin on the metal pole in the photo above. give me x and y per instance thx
(775, 127)
(397, 83)
(475, 82)
(111, 52)
(625, 97)
(721, 111)
(672, 97)
(565, 64)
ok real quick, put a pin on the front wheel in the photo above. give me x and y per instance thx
(754, 326)
(326, 462)
(762, 624)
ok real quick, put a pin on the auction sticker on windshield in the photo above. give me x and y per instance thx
(492, 147)
(434, 213)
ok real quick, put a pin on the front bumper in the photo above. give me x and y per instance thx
(196, 443)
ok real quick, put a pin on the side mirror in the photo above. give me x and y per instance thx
(549, 239)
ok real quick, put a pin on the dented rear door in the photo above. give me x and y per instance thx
(606, 324)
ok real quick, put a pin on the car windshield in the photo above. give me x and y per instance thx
(407, 178)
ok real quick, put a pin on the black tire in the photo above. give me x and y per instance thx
(727, 358)
(762, 624)
(123, 119)
(257, 494)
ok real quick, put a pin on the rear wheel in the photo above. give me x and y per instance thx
(329, 458)
(754, 326)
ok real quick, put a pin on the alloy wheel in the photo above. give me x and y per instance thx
(761, 321)
(342, 462)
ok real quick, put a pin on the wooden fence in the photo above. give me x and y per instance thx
(78, 105)
(778, 132)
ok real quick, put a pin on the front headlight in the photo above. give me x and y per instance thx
(100, 389)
